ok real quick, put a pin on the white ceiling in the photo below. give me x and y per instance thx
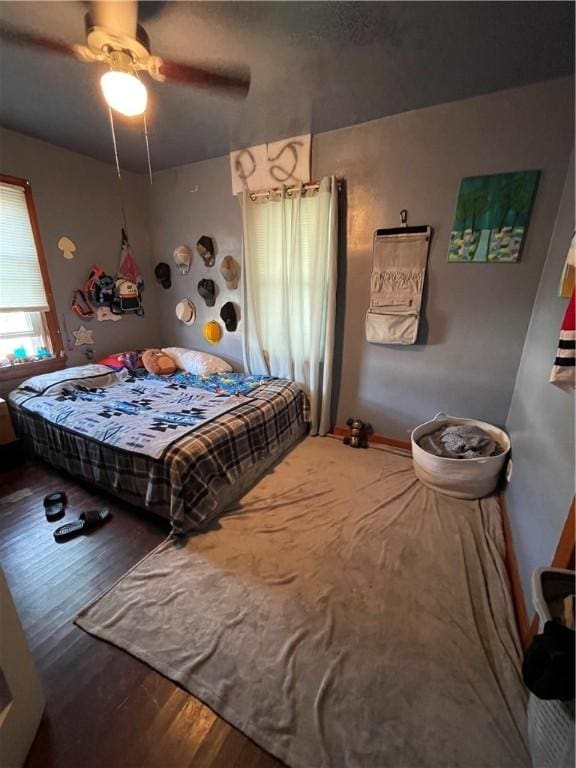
(315, 66)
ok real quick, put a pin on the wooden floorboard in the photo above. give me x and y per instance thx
(104, 707)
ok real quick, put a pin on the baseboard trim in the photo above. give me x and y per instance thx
(376, 439)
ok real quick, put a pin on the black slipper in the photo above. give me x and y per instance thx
(55, 505)
(93, 518)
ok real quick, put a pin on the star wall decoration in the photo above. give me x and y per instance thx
(82, 336)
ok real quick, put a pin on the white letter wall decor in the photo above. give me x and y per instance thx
(271, 165)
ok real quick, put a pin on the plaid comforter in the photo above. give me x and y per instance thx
(197, 471)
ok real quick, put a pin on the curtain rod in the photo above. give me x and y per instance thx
(290, 190)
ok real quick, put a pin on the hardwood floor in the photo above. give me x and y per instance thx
(105, 708)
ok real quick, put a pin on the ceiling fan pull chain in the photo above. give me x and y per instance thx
(114, 143)
(147, 147)
(117, 168)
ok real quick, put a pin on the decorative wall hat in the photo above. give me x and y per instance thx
(183, 258)
(162, 273)
(186, 311)
(206, 250)
(228, 315)
(230, 270)
(212, 332)
(127, 298)
(207, 289)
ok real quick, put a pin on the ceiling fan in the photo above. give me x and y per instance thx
(114, 37)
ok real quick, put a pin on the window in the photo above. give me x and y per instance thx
(282, 241)
(24, 330)
(290, 278)
(30, 340)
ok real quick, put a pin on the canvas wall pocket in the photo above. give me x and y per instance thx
(492, 215)
(397, 281)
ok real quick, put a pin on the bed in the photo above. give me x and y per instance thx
(183, 446)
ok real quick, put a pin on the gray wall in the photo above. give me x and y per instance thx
(541, 418)
(186, 203)
(476, 315)
(78, 197)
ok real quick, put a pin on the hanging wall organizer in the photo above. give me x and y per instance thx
(399, 260)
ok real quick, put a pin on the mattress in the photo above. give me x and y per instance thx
(184, 447)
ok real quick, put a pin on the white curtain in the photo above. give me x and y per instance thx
(289, 290)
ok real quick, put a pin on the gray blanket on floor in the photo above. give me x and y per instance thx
(460, 441)
(343, 616)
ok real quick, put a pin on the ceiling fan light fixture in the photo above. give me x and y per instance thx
(124, 92)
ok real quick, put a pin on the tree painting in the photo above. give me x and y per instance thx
(492, 214)
(471, 205)
(514, 200)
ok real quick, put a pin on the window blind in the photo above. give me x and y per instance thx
(21, 284)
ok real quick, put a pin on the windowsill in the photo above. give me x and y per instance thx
(25, 370)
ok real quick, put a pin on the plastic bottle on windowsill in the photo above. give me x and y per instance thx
(20, 354)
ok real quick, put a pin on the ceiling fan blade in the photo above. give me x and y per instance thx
(51, 44)
(233, 82)
(150, 9)
(119, 17)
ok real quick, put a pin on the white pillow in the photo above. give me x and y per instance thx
(42, 381)
(200, 363)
